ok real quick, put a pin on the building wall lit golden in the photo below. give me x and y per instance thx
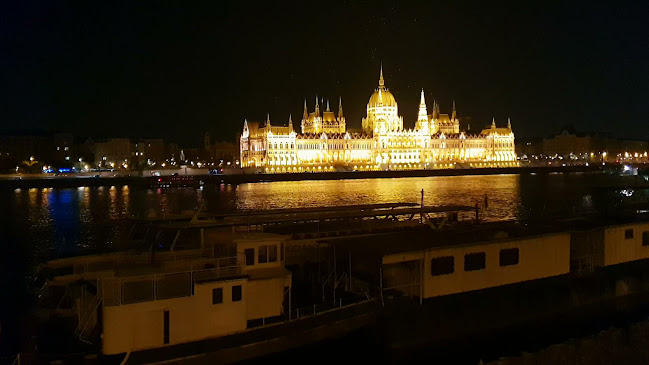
(325, 144)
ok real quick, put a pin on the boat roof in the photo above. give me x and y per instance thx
(378, 245)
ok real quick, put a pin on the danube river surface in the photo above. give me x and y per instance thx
(41, 224)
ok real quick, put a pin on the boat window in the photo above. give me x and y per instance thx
(628, 234)
(509, 256)
(263, 254)
(442, 265)
(236, 293)
(475, 261)
(249, 253)
(165, 329)
(281, 251)
(217, 295)
(645, 238)
(272, 253)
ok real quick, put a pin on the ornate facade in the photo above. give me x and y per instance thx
(325, 144)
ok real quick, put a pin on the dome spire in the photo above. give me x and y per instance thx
(381, 81)
(493, 122)
(422, 100)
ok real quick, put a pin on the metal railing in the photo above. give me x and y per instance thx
(327, 306)
(143, 288)
(105, 266)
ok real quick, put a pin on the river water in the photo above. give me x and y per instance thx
(41, 224)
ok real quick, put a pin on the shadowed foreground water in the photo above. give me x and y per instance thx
(41, 224)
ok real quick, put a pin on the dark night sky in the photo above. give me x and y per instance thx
(153, 69)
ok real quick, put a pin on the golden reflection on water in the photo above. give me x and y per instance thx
(502, 191)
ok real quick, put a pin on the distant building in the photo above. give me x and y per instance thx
(573, 145)
(529, 148)
(226, 152)
(113, 153)
(150, 152)
(324, 141)
(56, 149)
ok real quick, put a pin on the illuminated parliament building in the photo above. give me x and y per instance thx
(323, 142)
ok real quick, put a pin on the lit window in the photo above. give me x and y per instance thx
(217, 295)
(628, 234)
(237, 293)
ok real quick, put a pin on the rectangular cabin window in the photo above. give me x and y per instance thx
(263, 254)
(217, 295)
(272, 253)
(645, 238)
(475, 261)
(236, 293)
(509, 256)
(628, 234)
(442, 265)
(249, 253)
(165, 328)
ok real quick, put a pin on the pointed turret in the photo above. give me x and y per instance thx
(493, 123)
(509, 124)
(435, 110)
(328, 105)
(305, 116)
(317, 107)
(268, 120)
(290, 123)
(454, 115)
(423, 112)
(381, 81)
(340, 107)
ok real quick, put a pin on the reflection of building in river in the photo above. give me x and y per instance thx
(324, 142)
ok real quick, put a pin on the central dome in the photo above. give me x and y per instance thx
(382, 96)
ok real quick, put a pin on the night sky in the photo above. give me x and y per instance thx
(175, 69)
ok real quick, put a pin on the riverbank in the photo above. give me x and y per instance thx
(26, 182)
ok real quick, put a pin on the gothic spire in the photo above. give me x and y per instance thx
(317, 107)
(493, 123)
(423, 112)
(268, 119)
(328, 105)
(306, 112)
(340, 107)
(290, 123)
(454, 115)
(381, 81)
(509, 124)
